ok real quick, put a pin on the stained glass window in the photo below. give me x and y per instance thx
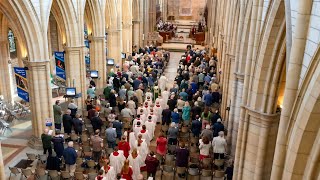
(12, 43)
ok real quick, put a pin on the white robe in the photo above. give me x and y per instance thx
(146, 110)
(111, 174)
(136, 163)
(149, 101)
(136, 130)
(162, 83)
(143, 151)
(132, 139)
(158, 112)
(146, 136)
(117, 161)
(148, 94)
(165, 96)
(154, 118)
(151, 126)
(135, 121)
(160, 100)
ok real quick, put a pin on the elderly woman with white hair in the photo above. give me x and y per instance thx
(219, 145)
(173, 132)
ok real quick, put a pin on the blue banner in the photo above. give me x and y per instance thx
(60, 65)
(22, 83)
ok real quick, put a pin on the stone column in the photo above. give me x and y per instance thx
(136, 35)
(243, 124)
(5, 87)
(114, 45)
(98, 60)
(127, 26)
(76, 72)
(292, 84)
(127, 38)
(152, 15)
(164, 10)
(40, 95)
(2, 172)
(261, 137)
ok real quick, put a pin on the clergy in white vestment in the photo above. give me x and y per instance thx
(108, 171)
(154, 116)
(137, 128)
(117, 160)
(146, 108)
(131, 138)
(162, 82)
(142, 148)
(140, 110)
(148, 95)
(135, 160)
(165, 96)
(150, 126)
(149, 101)
(145, 134)
(159, 100)
(138, 119)
(158, 111)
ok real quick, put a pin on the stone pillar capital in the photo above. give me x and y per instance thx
(110, 31)
(239, 76)
(136, 21)
(74, 48)
(265, 119)
(98, 38)
(31, 64)
(126, 25)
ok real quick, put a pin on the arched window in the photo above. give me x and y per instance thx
(12, 43)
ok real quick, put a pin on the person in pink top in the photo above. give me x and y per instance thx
(161, 144)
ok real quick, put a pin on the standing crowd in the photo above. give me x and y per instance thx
(137, 109)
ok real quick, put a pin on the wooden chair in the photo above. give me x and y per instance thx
(86, 151)
(91, 164)
(31, 156)
(65, 175)
(167, 172)
(206, 163)
(79, 176)
(14, 170)
(206, 174)
(169, 159)
(41, 174)
(92, 176)
(54, 175)
(27, 173)
(172, 149)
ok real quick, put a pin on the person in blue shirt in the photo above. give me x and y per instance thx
(175, 116)
(118, 125)
(184, 95)
(194, 87)
(208, 100)
(136, 83)
(70, 157)
(207, 78)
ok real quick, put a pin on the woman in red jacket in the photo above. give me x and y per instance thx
(126, 172)
(124, 146)
(161, 144)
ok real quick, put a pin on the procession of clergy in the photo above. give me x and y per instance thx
(135, 101)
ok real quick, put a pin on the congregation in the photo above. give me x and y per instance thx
(137, 108)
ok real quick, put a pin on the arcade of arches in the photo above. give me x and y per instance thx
(268, 61)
